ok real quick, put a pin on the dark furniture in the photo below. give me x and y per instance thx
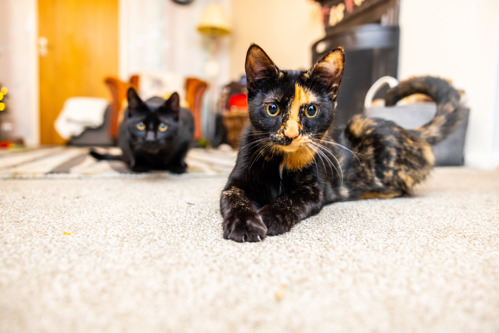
(371, 51)
(368, 31)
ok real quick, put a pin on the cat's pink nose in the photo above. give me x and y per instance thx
(291, 131)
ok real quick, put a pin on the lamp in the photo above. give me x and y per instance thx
(214, 24)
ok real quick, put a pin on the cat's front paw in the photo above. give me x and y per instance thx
(277, 221)
(139, 168)
(247, 227)
(178, 168)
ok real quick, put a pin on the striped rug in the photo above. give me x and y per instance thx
(75, 162)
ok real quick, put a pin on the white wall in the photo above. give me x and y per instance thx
(458, 40)
(19, 65)
(286, 29)
(161, 36)
(495, 137)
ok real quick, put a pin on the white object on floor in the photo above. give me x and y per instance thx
(79, 113)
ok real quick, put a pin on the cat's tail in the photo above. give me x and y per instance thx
(108, 157)
(447, 98)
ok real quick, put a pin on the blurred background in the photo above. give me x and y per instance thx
(90, 52)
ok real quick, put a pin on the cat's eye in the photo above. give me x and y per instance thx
(273, 109)
(311, 111)
(141, 126)
(162, 127)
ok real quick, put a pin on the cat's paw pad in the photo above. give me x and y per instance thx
(244, 228)
(277, 222)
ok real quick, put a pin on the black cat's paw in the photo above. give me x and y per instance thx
(139, 168)
(277, 221)
(178, 168)
(247, 227)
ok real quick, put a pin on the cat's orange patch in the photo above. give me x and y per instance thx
(301, 97)
(297, 155)
(359, 126)
(428, 154)
(406, 178)
(379, 195)
(292, 126)
(298, 160)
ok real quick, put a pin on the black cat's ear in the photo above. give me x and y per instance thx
(259, 66)
(329, 70)
(134, 101)
(173, 105)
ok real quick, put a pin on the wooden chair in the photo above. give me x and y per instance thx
(118, 89)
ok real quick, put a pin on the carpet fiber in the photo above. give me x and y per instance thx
(147, 255)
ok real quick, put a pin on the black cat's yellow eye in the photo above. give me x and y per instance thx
(273, 109)
(141, 126)
(311, 111)
(162, 127)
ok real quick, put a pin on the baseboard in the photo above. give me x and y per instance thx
(482, 160)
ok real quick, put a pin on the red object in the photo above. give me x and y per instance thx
(349, 5)
(238, 101)
(7, 144)
(325, 15)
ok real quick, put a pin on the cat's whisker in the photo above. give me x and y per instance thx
(324, 152)
(331, 165)
(356, 155)
(321, 155)
(259, 153)
(312, 153)
(252, 143)
(254, 157)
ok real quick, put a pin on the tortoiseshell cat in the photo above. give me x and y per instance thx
(154, 135)
(288, 167)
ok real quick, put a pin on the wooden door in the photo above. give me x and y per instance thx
(78, 48)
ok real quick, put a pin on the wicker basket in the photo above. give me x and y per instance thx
(235, 122)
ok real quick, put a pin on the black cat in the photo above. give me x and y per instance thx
(154, 135)
(288, 167)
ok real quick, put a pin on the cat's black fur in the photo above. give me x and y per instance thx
(288, 167)
(154, 135)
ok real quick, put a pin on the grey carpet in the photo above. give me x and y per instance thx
(147, 255)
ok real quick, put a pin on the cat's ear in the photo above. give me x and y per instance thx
(173, 105)
(329, 70)
(134, 101)
(259, 66)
